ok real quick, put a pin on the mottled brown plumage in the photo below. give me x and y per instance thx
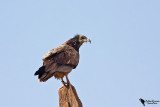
(60, 61)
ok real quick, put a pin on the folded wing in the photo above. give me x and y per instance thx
(61, 59)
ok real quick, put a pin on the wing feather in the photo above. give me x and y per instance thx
(63, 55)
(57, 58)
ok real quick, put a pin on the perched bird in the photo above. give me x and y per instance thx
(142, 101)
(60, 61)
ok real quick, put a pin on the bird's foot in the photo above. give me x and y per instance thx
(68, 83)
(64, 83)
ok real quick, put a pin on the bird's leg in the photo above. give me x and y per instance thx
(64, 83)
(68, 82)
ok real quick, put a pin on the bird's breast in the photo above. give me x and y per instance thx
(73, 58)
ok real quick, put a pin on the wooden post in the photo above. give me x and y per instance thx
(68, 97)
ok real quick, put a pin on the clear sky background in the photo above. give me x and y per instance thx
(120, 66)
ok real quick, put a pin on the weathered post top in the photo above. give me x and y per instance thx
(68, 97)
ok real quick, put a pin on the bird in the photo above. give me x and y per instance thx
(60, 61)
(142, 101)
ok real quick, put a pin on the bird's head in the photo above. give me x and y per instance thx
(77, 41)
(82, 39)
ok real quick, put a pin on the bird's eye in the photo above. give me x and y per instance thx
(83, 37)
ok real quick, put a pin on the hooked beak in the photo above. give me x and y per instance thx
(87, 40)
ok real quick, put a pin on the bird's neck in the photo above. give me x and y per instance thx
(74, 43)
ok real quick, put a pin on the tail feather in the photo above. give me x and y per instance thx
(40, 71)
(46, 72)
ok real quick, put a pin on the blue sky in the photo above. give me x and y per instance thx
(120, 66)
